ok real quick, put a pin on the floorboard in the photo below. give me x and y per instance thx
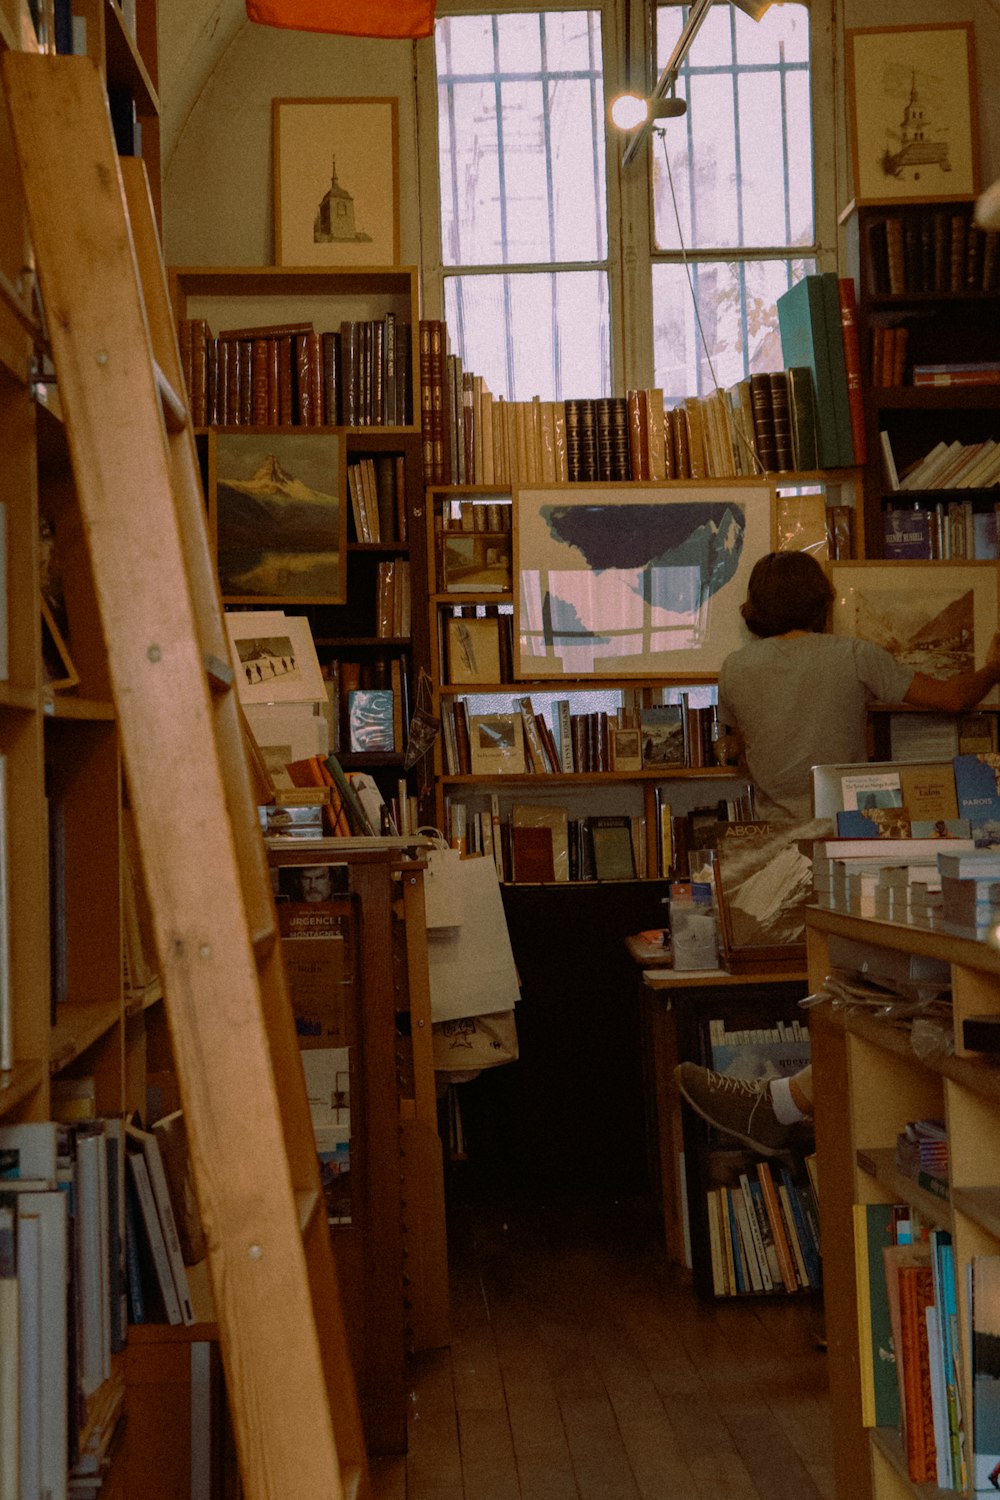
(583, 1367)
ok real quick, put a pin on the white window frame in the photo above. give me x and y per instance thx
(630, 230)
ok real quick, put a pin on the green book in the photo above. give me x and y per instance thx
(802, 321)
(802, 407)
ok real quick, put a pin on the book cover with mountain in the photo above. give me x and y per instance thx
(280, 525)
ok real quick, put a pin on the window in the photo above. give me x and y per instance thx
(523, 200)
(736, 173)
(535, 291)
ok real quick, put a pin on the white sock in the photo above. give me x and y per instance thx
(785, 1108)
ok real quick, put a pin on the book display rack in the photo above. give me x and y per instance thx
(329, 337)
(928, 295)
(873, 1077)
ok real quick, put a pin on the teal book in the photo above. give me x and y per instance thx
(802, 322)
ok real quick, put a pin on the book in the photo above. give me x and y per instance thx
(171, 1133)
(848, 305)
(977, 787)
(143, 1151)
(370, 719)
(43, 1259)
(662, 731)
(10, 1357)
(496, 744)
(806, 341)
(610, 839)
(802, 410)
(555, 821)
(985, 1348)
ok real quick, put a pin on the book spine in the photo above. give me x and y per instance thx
(847, 299)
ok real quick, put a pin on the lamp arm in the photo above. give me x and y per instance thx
(668, 77)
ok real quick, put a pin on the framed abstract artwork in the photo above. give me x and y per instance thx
(912, 113)
(336, 182)
(280, 516)
(936, 617)
(638, 581)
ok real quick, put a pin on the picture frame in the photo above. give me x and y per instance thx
(496, 744)
(274, 657)
(912, 115)
(57, 665)
(473, 650)
(336, 182)
(899, 605)
(279, 516)
(634, 581)
(475, 562)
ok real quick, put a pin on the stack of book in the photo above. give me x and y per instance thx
(932, 250)
(970, 893)
(763, 1232)
(922, 1153)
(767, 423)
(288, 374)
(377, 487)
(953, 530)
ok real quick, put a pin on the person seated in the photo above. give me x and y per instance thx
(769, 1115)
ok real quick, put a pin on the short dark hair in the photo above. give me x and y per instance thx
(787, 591)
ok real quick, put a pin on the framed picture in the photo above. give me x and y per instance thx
(280, 516)
(57, 664)
(275, 657)
(936, 617)
(496, 745)
(475, 562)
(473, 650)
(336, 182)
(912, 113)
(638, 581)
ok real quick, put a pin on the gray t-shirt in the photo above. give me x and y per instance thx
(800, 702)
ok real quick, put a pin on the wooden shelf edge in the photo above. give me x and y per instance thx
(17, 1085)
(961, 952)
(60, 706)
(79, 1024)
(880, 1164)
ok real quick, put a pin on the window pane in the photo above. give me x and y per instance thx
(736, 303)
(544, 334)
(522, 155)
(742, 153)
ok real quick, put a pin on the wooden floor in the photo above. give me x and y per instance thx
(582, 1368)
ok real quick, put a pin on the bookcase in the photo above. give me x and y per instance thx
(67, 1015)
(871, 1078)
(470, 614)
(360, 643)
(928, 294)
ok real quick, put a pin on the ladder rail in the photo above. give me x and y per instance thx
(230, 1021)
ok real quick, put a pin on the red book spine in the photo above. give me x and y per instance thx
(852, 363)
(260, 363)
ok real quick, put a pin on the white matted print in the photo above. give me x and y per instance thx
(938, 618)
(635, 581)
(274, 657)
(336, 182)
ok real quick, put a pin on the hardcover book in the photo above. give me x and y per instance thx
(662, 730)
(611, 847)
(977, 784)
(496, 743)
(370, 719)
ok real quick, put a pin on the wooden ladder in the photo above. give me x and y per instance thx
(291, 1389)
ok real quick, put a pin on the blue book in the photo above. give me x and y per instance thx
(977, 787)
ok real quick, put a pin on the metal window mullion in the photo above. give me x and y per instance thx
(734, 73)
(782, 71)
(508, 314)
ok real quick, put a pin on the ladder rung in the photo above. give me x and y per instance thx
(175, 412)
(263, 942)
(220, 673)
(308, 1202)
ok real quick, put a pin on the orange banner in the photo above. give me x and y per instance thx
(388, 18)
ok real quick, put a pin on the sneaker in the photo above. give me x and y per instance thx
(741, 1107)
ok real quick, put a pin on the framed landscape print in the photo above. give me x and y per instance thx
(912, 113)
(336, 182)
(638, 581)
(936, 617)
(280, 517)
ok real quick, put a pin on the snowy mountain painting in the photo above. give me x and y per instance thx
(635, 581)
(280, 523)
